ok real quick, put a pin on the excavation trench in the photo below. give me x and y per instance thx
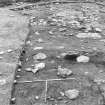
(45, 79)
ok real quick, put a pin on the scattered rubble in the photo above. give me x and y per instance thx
(2, 52)
(40, 40)
(2, 81)
(98, 30)
(9, 50)
(37, 33)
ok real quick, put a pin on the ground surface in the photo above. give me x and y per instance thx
(62, 32)
(13, 31)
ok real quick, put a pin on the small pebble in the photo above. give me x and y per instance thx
(62, 93)
(83, 59)
(37, 48)
(9, 50)
(95, 48)
(14, 81)
(40, 40)
(62, 29)
(19, 63)
(17, 76)
(60, 47)
(2, 81)
(1, 57)
(98, 29)
(63, 54)
(40, 56)
(19, 70)
(37, 33)
(13, 100)
(2, 52)
(36, 97)
(50, 32)
(72, 93)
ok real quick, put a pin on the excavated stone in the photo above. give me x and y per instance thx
(38, 67)
(83, 59)
(40, 56)
(72, 93)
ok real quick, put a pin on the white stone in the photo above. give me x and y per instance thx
(38, 67)
(98, 29)
(89, 35)
(72, 93)
(64, 71)
(40, 56)
(37, 48)
(28, 69)
(50, 32)
(2, 81)
(40, 40)
(37, 33)
(83, 59)
(2, 52)
(9, 50)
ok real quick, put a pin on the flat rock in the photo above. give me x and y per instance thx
(89, 35)
(38, 67)
(40, 56)
(72, 93)
(64, 71)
